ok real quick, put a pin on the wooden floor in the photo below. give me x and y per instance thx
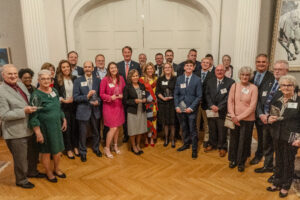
(160, 173)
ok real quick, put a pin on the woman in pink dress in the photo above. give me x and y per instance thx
(111, 93)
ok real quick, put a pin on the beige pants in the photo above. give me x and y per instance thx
(202, 114)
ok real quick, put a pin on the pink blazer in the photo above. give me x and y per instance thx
(245, 101)
(107, 89)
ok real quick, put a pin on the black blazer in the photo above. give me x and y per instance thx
(196, 70)
(268, 77)
(133, 65)
(290, 123)
(62, 93)
(218, 98)
(129, 96)
(159, 70)
(161, 88)
(209, 75)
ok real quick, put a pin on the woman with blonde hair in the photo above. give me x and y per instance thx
(149, 80)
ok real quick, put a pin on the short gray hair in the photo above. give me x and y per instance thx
(288, 78)
(283, 62)
(246, 70)
(44, 72)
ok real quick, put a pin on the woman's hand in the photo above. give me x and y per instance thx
(120, 96)
(144, 100)
(235, 121)
(272, 119)
(137, 101)
(64, 125)
(113, 97)
(39, 138)
(68, 100)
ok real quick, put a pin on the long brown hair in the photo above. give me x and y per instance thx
(108, 74)
(145, 71)
(59, 73)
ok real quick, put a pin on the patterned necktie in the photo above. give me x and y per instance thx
(270, 97)
(127, 69)
(257, 80)
(90, 83)
(187, 81)
(219, 85)
(202, 77)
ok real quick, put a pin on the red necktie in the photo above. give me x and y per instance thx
(127, 69)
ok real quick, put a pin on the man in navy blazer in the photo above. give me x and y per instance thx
(77, 71)
(124, 67)
(187, 96)
(192, 55)
(86, 95)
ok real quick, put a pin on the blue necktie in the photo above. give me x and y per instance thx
(257, 80)
(270, 97)
(187, 81)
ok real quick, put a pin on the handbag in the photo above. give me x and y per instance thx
(228, 121)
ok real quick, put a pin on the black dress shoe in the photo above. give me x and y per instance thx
(282, 195)
(263, 170)
(98, 153)
(39, 175)
(27, 185)
(184, 147)
(78, 155)
(255, 161)
(83, 158)
(63, 175)
(136, 153)
(232, 164)
(166, 143)
(194, 154)
(273, 189)
(271, 179)
(241, 168)
(125, 139)
(53, 180)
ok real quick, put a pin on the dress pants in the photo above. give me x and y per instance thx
(70, 137)
(240, 142)
(284, 164)
(268, 146)
(202, 116)
(19, 148)
(260, 138)
(217, 133)
(32, 156)
(189, 132)
(95, 128)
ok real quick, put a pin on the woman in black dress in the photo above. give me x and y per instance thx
(164, 92)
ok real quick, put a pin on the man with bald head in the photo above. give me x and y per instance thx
(14, 113)
(86, 95)
(216, 95)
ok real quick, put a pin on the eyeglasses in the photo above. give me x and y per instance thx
(289, 85)
(278, 69)
(45, 79)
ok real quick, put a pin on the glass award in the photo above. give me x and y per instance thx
(293, 137)
(182, 106)
(168, 93)
(116, 91)
(36, 102)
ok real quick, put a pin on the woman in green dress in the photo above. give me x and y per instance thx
(47, 124)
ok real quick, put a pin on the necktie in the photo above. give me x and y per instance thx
(202, 77)
(257, 80)
(187, 81)
(90, 83)
(270, 97)
(127, 69)
(218, 85)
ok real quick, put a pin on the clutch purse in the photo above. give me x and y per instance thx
(228, 122)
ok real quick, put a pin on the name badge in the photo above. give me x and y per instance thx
(143, 93)
(83, 84)
(164, 82)
(53, 94)
(223, 91)
(245, 90)
(292, 105)
(175, 73)
(111, 85)
(264, 93)
(182, 85)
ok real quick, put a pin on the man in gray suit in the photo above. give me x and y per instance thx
(14, 111)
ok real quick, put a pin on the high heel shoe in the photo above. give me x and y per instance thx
(173, 144)
(116, 149)
(152, 145)
(166, 143)
(107, 153)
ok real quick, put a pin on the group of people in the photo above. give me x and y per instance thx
(144, 99)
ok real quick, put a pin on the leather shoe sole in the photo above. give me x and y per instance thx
(183, 148)
(255, 161)
(263, 170)
(27, 185)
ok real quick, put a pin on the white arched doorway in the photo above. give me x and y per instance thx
(149, 26)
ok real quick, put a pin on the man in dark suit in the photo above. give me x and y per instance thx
(187, 96)
(216, 95)
(192, 55)
(73, 59)
(261, 76)
(142, 59)
(124, 67)
(169, 57)
(269, 91)
(206, 73)
(86, 95)
(159, 59)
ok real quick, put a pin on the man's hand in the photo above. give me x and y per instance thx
(91, 93)
(214, 108)
(94, 103)
(272, 119)
(264, 118)
(30, 109)
(178, 110)
(188, 110)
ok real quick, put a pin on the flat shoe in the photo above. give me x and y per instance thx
(270, 189)
(53, 180)
(63, 175)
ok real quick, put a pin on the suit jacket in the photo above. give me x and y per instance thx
(133, 65)
(268, 76)
(159, 70)
(191, 95)
(196, 70)
(14, 120)
(84, 108)
(282, 129)
(218, 98)
(80, 71)
(129, 96)
(209, 75)
(62, 93)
